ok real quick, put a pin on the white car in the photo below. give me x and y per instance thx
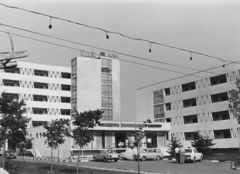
(128, 154)
(191, 154)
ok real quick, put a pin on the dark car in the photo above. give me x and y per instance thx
(10, 154)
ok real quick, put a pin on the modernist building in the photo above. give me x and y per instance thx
(45, 89)
(194, 104)
(95, 84)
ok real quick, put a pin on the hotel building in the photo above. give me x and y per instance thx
(194, 104)
(44, 88)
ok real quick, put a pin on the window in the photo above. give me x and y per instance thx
(38, 123)
(106, 90)
(188, 86)
(11, 95)
(168, 120)
(218, 79)
(74, 67)
(106, 79)
(189, 102)
(107, 115)
(191, 135)
(219, 116)
(189, 119)
(40, 73)
(66, 75)
(106, 65)
(65, 99)
(168, 106)
(12, 83)
(74, 105)
(39, 111)
(74, 82)
(222, 134)
(107, 102)
(167, 91)
(158, 97)
(159, 111)
(12, 70)
(66, 88)
(40, 85)
(40, 98)
(74, 95)
(65, 111)
(219, 97)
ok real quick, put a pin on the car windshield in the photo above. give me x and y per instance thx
(188, 150)
(144, 151)
(111, 151)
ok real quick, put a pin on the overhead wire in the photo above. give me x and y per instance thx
(186, 74)
(120, 53)
(117, 33)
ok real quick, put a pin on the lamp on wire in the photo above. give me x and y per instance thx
(150, 49)
(107, 35)
(223, 64)
(191, 56)
(50, 25)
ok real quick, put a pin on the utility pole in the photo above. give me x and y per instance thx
(6, 57)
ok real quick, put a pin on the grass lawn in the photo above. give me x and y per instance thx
(41, 168)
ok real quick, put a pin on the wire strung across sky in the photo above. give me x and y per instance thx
(120, 53)
(120, 34)
(186, 74)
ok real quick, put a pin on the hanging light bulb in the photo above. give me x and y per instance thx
(50, 25)
(191, 56)
(150, 50)
(223, 64)
(107, 36)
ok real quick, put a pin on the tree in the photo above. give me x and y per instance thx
(13, 125)
(82, 122)
(174, 143)
(24, 146)
(55, 135)
(234, 104)
(203, 144)
(138, 136)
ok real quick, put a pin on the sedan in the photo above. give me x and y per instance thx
(128, 154)
(106, 155)
(152, 153)
(191, 154)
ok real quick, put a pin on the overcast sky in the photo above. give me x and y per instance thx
(206, 26)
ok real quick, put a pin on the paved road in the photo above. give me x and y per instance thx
(170, 167)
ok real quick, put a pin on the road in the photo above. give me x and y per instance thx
(169, 167)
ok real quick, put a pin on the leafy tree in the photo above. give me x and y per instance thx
(82, 122)
(234, 104)
(174, 143)
(23, 146)
(55, 135)
(138, 136)
(203, 144)
(13, 125)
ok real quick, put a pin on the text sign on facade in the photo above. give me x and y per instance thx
(93, 54)
(13, 55)
(129, 125)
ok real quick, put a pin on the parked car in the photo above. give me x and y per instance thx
(191, 154)
(106, 155)
(128, 154)
(150, 153)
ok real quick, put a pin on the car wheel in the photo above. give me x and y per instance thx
(135, 159)
(115, 160)
(194, 160)
(158, 158)
(200, 159)
(94, 159)
(104, 159)
(143, 158)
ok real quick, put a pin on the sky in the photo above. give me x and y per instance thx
(206, 26)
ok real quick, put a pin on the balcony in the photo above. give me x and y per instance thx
(40, 98)
(190, 119)
(39, 111)
(11, 83)
(41, 73)
(12, 70)
(40, 85)
(222, 134)
(66, 75)
(219, 116)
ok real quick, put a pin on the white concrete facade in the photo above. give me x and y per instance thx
(194, 104)
(45, 89)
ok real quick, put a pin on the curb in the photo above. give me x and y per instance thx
(48, 159)
(213, 161)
